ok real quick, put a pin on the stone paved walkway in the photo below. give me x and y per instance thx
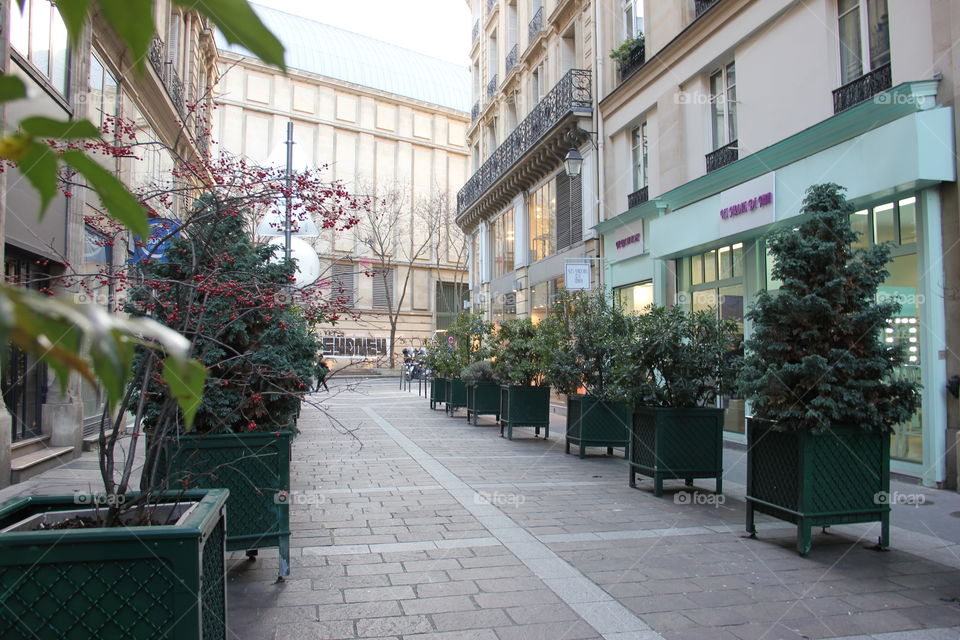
(434, 529)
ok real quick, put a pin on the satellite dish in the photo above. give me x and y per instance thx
(308, 262)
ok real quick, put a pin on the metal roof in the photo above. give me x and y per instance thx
(343, 55)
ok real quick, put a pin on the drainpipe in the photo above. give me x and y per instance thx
(598, 127)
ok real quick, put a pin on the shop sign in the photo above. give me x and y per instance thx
(629, 242)
(748, 205)
(577, 276)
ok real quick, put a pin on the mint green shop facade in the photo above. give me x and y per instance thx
(701, 245)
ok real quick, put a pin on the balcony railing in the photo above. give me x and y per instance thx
(700, 6)
(634, 61)
(492, 87)
(168, 75)
(475, 112)
(491, 5)
(571, 94)
(536, 25)
(512, 59)
(862, 89)
(638, 197)
(476, 31)
(722, 156)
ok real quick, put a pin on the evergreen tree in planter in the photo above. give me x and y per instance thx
(466, 342)
(483, 390)
(671, 371)
(821, 380)
(592, 332)
(522, 352)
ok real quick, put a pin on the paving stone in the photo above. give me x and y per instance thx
(375, 594)
(442, 604)
(578, 630)
(483, 619)
(395, 625)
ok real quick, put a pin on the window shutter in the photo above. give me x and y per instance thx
(383, 289)
(576, 210)
(342, 282)
(563, 211)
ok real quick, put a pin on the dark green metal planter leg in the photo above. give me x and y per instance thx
(751, 526)
(658, 485)
(252, 554)
(804, 537)
(688, 482)
(609, 451)
(284, 549)
(583, 451)
(568, 446)
(546, 432)
(632, 477)
(885, 531)
(719, 488)
(510, 432)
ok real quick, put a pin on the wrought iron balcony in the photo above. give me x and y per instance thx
(862, 89)
(639, 196)
(512, 59)
(476, 31)
(536, 25)
(491, 5)
(701, 6)
(634, 61)
(475, 111)
(156, 55)
(168, 75)
(571, 94)
(492, 87)
(723, 156)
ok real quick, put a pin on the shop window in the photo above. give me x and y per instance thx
(864, 32)
(504, 306)
(39, 36)
(543, 222)
(502, 244)
(542, 296)
(635, 298)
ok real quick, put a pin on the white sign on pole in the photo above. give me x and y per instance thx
(577, 276)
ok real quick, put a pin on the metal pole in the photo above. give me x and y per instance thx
(289, 192)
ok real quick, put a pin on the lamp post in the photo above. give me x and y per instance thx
(289, 192)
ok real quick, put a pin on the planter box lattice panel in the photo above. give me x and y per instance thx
(839, 476)
(483, 399)
(438, 391)
(596, 423)
(676, 444)
(255, 467)
(456, 397)
(136, 582)
(525, 407)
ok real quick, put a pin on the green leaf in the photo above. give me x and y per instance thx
(39, 165)
(58, 342)
(133, 21)
(240, 25)
(41, 127)
(185, 380)
(74, 14)
(11, 88)
(119, 202)
(112, 356)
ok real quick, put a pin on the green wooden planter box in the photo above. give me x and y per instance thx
(597, 423)
(165, 581)
(456, 397)
(676, 444)
(255, 467)
(524, 407)
(438, 391)
(483, 399)
(836, 477)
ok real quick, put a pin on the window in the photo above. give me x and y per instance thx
(449, 302)
(341, 282)
(40, 37)
(632, 19)
(634, 299)
(864, 37)
(383, 289)
(543, 222)
(542, 296)
(723, 105)
(537, 81)
(475, 257)
(638, 145)
(569, 199)
(104, 94)
(501, 243)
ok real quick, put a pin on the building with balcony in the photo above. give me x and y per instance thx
(388, 123)
(166, 104)
(534, 100)
(735, 108)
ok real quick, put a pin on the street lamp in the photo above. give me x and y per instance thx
(573, 162)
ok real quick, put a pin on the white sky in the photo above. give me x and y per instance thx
(438, 28)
